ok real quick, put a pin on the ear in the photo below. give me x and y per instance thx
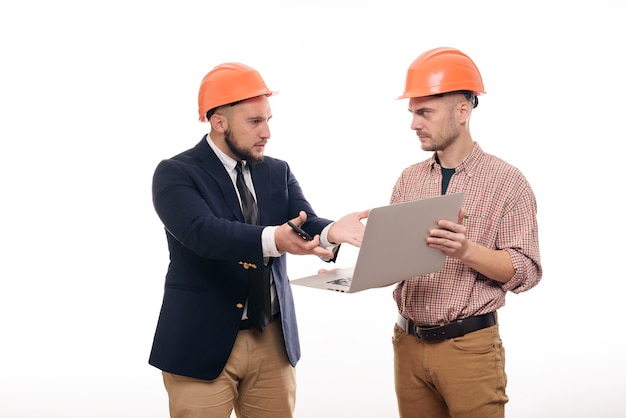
(464, 111)
(219, 123)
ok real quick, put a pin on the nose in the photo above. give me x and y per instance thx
(265, 131)
(417, 124)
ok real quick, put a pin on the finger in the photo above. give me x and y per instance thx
(461, 216)
(438, 232)
(321, 252)
(300, 219)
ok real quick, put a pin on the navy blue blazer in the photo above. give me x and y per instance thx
(211, 248)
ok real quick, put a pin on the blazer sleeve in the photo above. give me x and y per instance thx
(201, 212)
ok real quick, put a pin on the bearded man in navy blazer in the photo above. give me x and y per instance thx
(213, 358)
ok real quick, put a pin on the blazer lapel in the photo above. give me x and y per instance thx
(209, 162)
(261, 178)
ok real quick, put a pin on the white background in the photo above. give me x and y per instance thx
(94, 94)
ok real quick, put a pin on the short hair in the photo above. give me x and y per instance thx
(212, 111)
(469, 96)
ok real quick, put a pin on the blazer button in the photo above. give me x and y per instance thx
(247, 265)
(239, 305)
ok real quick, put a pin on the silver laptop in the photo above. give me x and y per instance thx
(393, 246)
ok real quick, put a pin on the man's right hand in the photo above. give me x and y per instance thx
(287, 240)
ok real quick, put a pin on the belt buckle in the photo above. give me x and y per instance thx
(416, 331)
(428, 332)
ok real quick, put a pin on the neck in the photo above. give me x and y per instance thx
(453, 155)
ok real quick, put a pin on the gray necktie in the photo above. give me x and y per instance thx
(259, 300)
(248, 204)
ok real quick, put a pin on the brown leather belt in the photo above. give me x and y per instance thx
(452, 330)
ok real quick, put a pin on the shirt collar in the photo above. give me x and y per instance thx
(467, 164)
(228, 162)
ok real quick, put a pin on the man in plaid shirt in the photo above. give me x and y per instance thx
(448, 356)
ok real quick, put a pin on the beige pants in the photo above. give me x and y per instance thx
(457, 378)
(258, 382)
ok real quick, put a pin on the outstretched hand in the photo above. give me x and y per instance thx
(348, 229)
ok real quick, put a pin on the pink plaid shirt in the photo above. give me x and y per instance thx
(501, 210)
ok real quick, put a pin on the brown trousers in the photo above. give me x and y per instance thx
(258, 382)
(456, 378)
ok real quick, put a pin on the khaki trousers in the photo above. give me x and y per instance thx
(456, 378)
(258, 382)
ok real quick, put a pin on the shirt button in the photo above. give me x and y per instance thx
(239, 305)
(427, 308)
(432, 275)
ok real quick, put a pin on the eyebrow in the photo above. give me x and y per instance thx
(260, 117)
(422, 108)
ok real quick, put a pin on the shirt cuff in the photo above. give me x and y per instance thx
(268, 243)
(326, 244)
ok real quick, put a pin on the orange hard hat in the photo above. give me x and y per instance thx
(229, 83)
(442, 70)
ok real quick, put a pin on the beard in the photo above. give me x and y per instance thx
(238, 151)
(443, 140)
(440, 143)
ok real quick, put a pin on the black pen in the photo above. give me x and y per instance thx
(299, 231)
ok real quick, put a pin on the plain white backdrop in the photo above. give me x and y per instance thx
(94, 94)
